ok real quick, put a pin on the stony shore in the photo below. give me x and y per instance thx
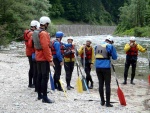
(16, 97)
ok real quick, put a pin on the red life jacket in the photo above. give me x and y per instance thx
(88, 53)
(62, 48)
(133, 51)
(72, 54)
(26, 38)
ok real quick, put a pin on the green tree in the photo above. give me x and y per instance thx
(17, 14)
(57, 9)
(132, 15)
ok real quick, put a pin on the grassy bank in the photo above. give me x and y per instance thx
(137, 31)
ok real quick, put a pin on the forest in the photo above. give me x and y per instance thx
(132, 17)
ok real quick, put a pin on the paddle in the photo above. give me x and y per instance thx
(79, 82)
(92, 100)
(62, 88)
(119, 91)
(51, 81)
(148, 55)
(84, 84)
(149, 65)
(84, 88)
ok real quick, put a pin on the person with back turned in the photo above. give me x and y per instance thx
(31, 45)
(103, 53)
(29, 50)
(131, 50)
(44, 59)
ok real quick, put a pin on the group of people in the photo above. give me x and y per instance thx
(42, 52)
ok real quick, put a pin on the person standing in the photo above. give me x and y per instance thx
(31, 45)
(131, 50)
(57, 49)
(29, 50)
(43, 57)
(103, 53)
(89, 61)
(69, 62)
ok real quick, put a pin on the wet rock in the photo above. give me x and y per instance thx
(140, 75)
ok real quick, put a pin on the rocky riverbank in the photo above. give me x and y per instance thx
(16, 97)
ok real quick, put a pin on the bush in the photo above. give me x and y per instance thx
(126, 32)
(129, 32)
(141, 31)
(138, 31)
(52, 30)
(3, 35)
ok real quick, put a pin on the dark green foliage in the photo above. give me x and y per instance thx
(88, 11)
(16, 15)
(135, 15)
(3, 35)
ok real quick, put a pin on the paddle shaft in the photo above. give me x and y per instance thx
(92, 100)
(84, 58)
(77, 63)
(77, 69)
(83, 77)
(148, 58)
(115, 74)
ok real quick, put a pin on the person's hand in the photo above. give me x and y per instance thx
(73, 51)
(91, 65)
(74, 44)
(52, 64)
(131, 44)
(61, 63)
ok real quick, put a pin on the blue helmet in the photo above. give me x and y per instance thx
(59, 34)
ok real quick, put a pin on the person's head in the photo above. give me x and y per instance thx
(132, 39)
(44, 22)
(88, 42)
(109, 39)
(34, 25)
(70, 39)
(59, 35)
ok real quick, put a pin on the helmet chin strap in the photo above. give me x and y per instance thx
(46, 26)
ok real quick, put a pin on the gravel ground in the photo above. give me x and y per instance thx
(16, 97)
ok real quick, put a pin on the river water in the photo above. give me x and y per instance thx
(142, 70)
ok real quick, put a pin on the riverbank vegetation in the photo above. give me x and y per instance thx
(16, 15)
(134, 18)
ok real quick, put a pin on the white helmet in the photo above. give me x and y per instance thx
(110, 38)
(132, 38)
(70, 38)
(33, 23)
(44, 20)
(38, 25)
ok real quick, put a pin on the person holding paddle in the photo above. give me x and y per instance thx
(86, 53)
(131, 50)
(103, 53)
